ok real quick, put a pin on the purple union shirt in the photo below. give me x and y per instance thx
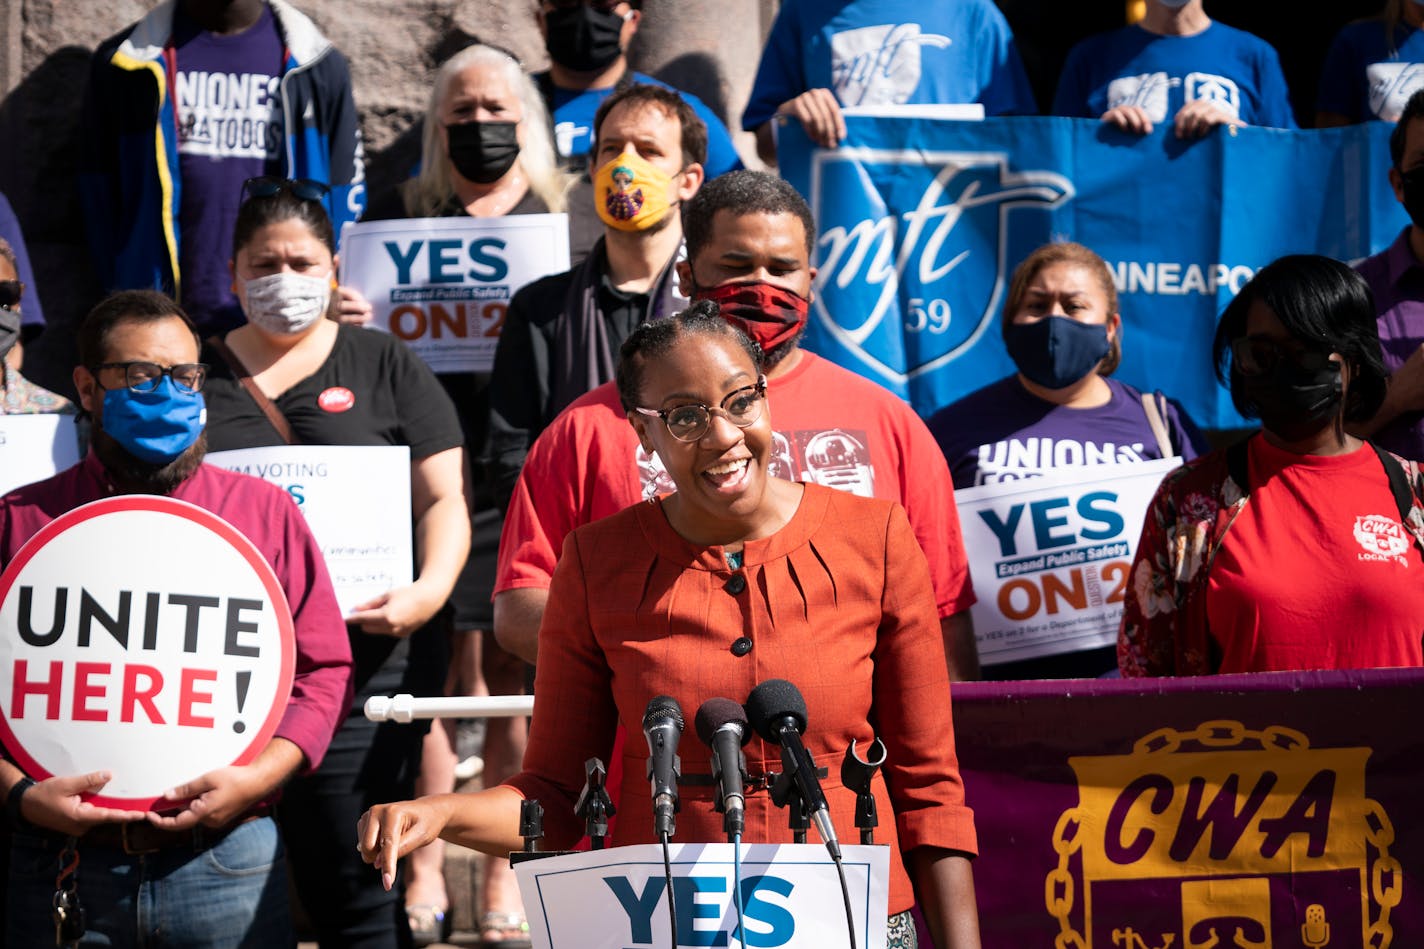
(1397, 280)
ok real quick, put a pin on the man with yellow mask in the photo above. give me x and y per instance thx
(562, 334)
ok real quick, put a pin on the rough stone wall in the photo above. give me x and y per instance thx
(393, 45)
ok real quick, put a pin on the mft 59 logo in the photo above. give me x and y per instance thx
(913, 250)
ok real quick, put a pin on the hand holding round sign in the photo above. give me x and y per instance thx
(143, 636)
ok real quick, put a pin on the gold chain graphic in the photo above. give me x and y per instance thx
(1386, 875)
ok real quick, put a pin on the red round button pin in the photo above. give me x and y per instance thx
(336, 399)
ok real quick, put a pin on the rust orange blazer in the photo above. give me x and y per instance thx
(838, 602)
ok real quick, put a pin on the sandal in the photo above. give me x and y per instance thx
(504, 931)
(428, 923)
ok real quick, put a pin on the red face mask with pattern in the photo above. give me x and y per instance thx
(769, 314)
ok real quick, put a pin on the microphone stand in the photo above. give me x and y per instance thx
(784, 793)
(594, 805)
(856, 776)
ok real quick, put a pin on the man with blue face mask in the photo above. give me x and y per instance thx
(141, 382)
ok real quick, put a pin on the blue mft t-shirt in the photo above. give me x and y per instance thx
(1132, 66)
(229, 117)
(1368, 75)
(573, 113)
(891, 52)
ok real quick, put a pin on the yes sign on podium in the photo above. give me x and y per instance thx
(791, 897)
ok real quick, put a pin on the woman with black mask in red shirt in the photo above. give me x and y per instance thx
(1266, 555)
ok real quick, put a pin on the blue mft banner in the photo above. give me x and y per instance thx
(922, 221)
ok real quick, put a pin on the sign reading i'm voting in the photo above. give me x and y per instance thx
(1051, 556)
(444, 284)
(791, 897)
(33, 447)
(365, 555)
(144, 636)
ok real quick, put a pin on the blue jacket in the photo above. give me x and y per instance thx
(128, 180)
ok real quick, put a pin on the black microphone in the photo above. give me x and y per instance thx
(778, 713)
(662, 726)
(722, 725)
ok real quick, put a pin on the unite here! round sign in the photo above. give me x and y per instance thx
(144, 636)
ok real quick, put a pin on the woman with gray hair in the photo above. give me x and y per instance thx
(487, 151)
(487, 146)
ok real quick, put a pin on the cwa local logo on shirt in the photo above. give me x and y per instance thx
(913, 254)
(1383, 538)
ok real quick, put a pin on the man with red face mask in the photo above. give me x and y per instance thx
(748, 240)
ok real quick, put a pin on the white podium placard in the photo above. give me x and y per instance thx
(143, 636)
(444, 284)
(33, 447)
(791, 897)
(357, 504)
(1050, 556)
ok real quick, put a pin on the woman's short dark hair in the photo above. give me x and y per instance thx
(1318, 300)
(258, 212)
(654, 340)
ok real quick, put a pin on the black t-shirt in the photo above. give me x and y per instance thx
(371, 390)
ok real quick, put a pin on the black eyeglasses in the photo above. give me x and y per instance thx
(688, 423)
(145, 376)
(265, 186)
(10, 293)
(1256, 355)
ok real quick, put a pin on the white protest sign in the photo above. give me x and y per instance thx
(357, 503)
(444, 284)
(33, 447)
(791, 897)
(1050, 556)
(144, 636)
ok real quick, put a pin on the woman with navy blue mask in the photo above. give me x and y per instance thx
(1062, 329)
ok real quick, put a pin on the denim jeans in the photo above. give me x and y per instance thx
(233, 894)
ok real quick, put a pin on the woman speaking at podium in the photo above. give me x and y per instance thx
(735, 578)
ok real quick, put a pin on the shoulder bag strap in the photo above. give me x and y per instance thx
(1398, 483)
(244, 378)
(1153, 404)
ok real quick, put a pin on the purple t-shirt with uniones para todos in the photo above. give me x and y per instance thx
(230, 128)
(1003, 432)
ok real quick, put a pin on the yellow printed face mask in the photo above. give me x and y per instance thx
(630, 193)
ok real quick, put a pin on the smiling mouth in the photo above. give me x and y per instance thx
(729, 474)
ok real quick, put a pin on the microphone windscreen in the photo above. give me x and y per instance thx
(715, 713)
(772, 701)
(663, 706)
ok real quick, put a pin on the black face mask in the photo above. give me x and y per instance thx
(483, 151)
(1293, 402)
(1414, 195)
(9, 330)
(582, 38)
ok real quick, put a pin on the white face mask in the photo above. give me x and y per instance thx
(285, 303)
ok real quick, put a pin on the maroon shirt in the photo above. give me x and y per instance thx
(321, 691)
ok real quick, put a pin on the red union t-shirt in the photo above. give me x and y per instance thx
(832, 427)
(1317, 572)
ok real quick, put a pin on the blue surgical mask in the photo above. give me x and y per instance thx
(1057, 351)
(155, 426)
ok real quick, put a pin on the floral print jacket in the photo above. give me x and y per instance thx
(1164, 628)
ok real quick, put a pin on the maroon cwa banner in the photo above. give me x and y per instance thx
(1249, 811)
